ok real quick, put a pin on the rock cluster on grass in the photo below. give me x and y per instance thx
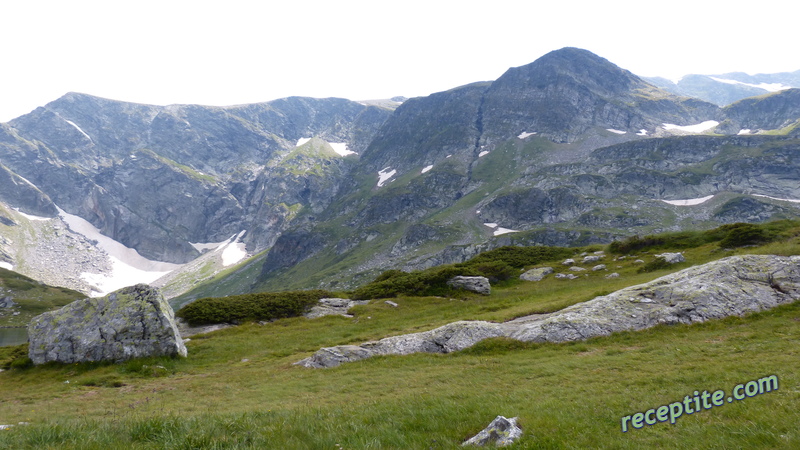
(730, 286)
(501, 432)
(333, 306)
(473, 284)
(132, 322)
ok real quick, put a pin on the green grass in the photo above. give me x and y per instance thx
(32, 298)
(239, 389)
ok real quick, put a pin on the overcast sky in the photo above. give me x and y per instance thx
(231, 52)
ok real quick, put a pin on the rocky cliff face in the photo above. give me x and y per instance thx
(160, 178)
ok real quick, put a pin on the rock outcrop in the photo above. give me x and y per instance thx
(501, 432)
(132, 322)
(730, 286)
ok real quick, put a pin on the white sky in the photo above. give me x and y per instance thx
(231, 52)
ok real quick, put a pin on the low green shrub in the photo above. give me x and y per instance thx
(655, 264)
(257, 306)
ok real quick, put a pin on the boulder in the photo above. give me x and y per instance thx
(599, 267)
(500, 432)
(592, 258)
(568, 262)
(730, 286)
(132, 322)
(7, 302)
(474, 284)
(613, 275)
(536, 274)
(672, 258)
(577, 269)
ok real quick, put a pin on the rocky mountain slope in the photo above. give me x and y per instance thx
(567, 150)
(728, 88)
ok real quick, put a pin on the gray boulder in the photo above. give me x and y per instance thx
(536, 274)
(500, 432)
(730, 286)
(474, 284)
(592, 258)
(672, 258)
(132, 322)
(7, 302)
(599, 267)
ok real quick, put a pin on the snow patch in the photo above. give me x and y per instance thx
(744, 132)
(525, 134)
(769, 87)
(448, 156)
(689, 202)
(6, 265)
(482, 154)
(616, 131)
(79, 129)
(341, 148)
(779, 199)
(697, 128)
(128, 266)
(29, 216)
(501, 230)
(302, 141)
(498, 230)
(384, 175)
(642, 132)
(427, 169)
(200, 247)
(233, 253)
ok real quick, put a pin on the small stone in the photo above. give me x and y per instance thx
(568, 262)
(599, 267)
(613, 275)
(391, 303)
(577, 269)
(591, 259)
(672, 258)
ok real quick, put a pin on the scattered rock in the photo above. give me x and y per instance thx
(536, 274)
(333, 306)
(639, 261)
(7, 302)
(132, 322)
(672, 258)
(568, 262)
(591, 259)
(391, 303)
(501, 432)
(599, 267)
(577, 269)
(613, 275)
(730, 286)
(474, 284)
(568, 276)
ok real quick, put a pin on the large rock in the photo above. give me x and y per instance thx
(132, 322)
(672, 258)
(475, 284)
(536, 274)
(332, 307)
(730, 286)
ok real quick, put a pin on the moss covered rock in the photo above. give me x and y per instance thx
(132, 322)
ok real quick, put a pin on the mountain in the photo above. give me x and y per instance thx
(728, 88)
(567, 150)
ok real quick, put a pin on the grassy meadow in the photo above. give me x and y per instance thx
(239, 388)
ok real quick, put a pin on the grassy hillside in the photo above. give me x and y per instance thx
(239, 389)
(31, 297)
